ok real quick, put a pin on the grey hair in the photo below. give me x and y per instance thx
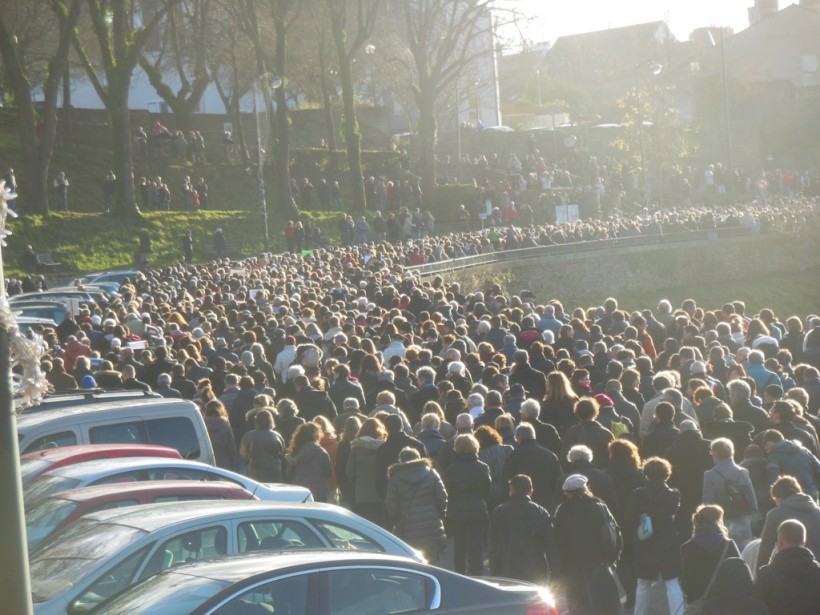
(674, 397)
(427, 374)
(740, 389)
(723, 448)
(579, 452)
(475, 399)
(530, 408)
(525, 431)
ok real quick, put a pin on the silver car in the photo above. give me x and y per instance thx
(131, 469)
(108, 551)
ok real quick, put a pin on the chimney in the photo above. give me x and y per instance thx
(763, 9)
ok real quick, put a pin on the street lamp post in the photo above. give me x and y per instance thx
(370, 51)
(270, 82)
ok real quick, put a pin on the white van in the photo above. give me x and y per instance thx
(177, 423)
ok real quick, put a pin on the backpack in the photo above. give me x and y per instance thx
(611, 540)
(737, 502)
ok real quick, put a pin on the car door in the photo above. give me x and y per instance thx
(186, 546)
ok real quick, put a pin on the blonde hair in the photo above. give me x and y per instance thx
(465, 443)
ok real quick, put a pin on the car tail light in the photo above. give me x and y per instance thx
(541, 608)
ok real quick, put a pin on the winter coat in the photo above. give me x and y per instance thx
(222, 441)
(715, 483)
(660, 553)
(432, 441)
(388, 454)
(595, 436)
(797, 506)
(763, 474)
(361, 470)
(599, 483)
(311, 468)
(792, 459)
(546, 435)
(706, 409)
(521, 541)
(690, 457)
(739, 432)
(790, 585)
(658, 442)
(559, 414)
(287, 426)
(540, 464)
(755, 415)
(495, 456)
(264, 452)
(533, 381)
(699, 557)
(625, 479)
(416, 502)
(468, 487)
(585, 572)
(238, 410)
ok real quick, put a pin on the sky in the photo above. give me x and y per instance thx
(557, 18)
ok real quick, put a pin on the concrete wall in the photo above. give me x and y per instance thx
(648, 273)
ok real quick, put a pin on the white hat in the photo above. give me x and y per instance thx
(575, 482)
(697, 367)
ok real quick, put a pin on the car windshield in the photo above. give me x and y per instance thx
(66, 560)
(31, 468)
(44, 486)
(43, 518)
(165, 594)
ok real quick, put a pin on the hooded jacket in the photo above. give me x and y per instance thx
(792, 459)
(798, 506)
(361, 470)
(416, 502)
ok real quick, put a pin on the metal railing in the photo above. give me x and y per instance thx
(578, 247)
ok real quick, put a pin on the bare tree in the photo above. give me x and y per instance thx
(119, 43)
(183, 34)
(62, 18)
(444, 37)
(348, 40)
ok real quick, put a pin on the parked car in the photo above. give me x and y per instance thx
(52, 310)
(85, 397)
(107, 277)
(137, 469)
(38, 462)
(56, 294)
(177, 423)
(61, 509)
(108, 551)
(337, 583)
(29, 323)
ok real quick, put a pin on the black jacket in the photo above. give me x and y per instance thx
(313, 402)
(540, 464)
(790, 585)
(546, 435)
(660, 553)
(522, 541)
(600, 484)
(658, 442)
(595, 436)
(388, 454)
(690, 457)
(625, 479)
(531, 379)
(468, 489)
(341, 389)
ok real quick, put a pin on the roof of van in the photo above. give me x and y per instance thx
(138, 405)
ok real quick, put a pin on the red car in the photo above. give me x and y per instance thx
(35, 463)
(57, 511)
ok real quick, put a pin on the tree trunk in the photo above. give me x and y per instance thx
(353, 139)
(427, 142)
(124, 200)
(285, 199)
(330, 125)
(67, 116)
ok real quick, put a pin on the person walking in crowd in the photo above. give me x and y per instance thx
(650, 526)
(362, 469)
(790, 584)
(61, 190)
(729, 485)
(417, 503)
(585, 559)
(308, 463)
(220, 434)
(521, 540)
(790, 503)
(469, 485)
(263, 450)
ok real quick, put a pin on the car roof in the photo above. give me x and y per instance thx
(98, 451)
(150, 517)
(237, 568)
(87, 397)
(158, 487)
(119, 464)
(138, 405)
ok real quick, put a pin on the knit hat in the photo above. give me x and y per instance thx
(688, 425)
(575, 482)
(88, 382)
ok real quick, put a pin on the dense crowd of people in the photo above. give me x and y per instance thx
(560, 443)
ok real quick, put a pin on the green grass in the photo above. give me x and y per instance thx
(85, 242)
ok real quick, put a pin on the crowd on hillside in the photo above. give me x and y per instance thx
(522, 430)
